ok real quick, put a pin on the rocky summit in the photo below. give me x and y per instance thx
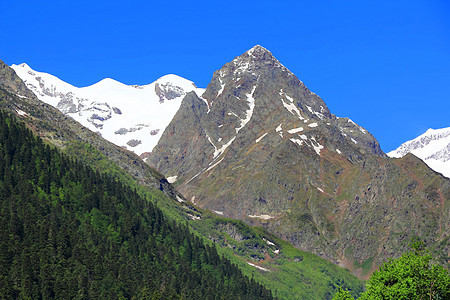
(259, 146)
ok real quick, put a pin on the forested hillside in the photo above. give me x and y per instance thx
(67, 231)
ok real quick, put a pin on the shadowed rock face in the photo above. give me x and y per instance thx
(259, 146)
(168, 92)
(9, 80)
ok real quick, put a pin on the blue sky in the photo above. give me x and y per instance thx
(384, 64)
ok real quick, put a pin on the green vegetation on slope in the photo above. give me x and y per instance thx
(67, 231)
(289, 272)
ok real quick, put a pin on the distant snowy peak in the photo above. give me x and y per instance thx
(131, 116)
(433, 147)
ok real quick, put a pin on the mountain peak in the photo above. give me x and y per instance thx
(177, 81)
(258, 70)
(261, 147)
(258, 50)
(108, 82)
(24, 65)
(257, 56)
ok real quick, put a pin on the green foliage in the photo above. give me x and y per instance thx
(343, 295)
(412, 276)
(67, 231)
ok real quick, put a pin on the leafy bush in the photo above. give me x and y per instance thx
(412, 276)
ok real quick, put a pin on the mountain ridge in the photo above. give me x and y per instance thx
(259, 146)
(130, 116)
(433, 147)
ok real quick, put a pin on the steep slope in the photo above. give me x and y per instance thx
(289, 272)
(130, 116)
(261, 147)
(433, 147)
(67, 232)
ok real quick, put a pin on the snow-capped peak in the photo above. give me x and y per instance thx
(176, 80)
(24, 65)
(433, 147)
(257, 48)
(108, 82)
(130, 116)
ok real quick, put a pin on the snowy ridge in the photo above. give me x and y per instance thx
(130, 116)
(433, 147)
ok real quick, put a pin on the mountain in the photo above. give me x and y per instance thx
(259, 146)
(433, 147)
(289, 272)
(130, 116)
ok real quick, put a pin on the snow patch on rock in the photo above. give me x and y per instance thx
(214, 165)
(21, 113)
(258, 267)
(172, 179)
(295, 130)
(249, 112)
(263, 217)
(260, 138)
(296, 141)
(279, 130)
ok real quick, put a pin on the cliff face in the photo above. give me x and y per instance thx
(261, 147)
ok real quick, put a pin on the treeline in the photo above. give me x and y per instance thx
(68, 232)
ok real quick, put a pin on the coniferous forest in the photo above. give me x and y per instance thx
(69, 232)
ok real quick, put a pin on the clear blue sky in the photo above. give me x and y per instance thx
(384, 64)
